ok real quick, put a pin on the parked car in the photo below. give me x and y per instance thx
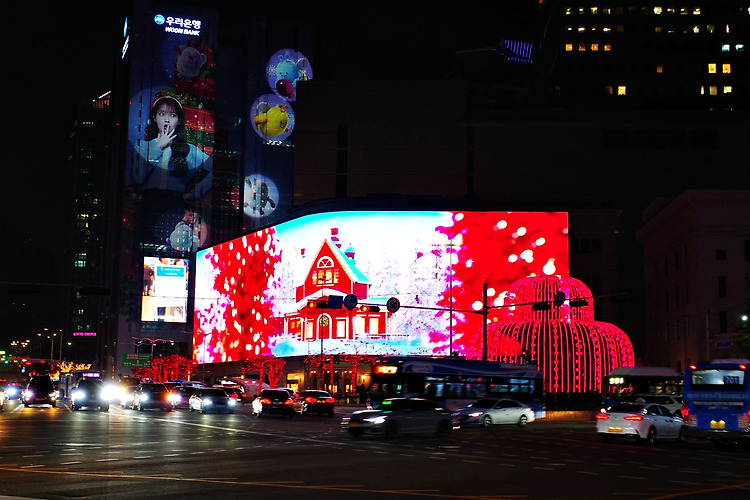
(401, 416)
(40, 391)
(90, 393)
(648, 422)
(488, 412)
(150, 395)
(212, 399)
(273, 402)
(314, 401)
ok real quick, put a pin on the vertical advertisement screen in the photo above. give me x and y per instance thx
(165, 284)
(171, 126)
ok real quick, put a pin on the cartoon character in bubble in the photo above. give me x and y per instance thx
(189, 61)
(259, 197)
(288, 74)
(271, 121)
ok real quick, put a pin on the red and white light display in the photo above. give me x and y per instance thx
(572, 350)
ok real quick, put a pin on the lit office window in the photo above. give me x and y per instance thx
(703, 90)
(713, 90)
(740, 47)
(726, 68)
(568, 47)
(696, 29)
(710, 28)
(727, 89)
(726, 28)
(696, 11)
(608, 10)
(569, 28)
(670, 10)
(659, 68)
(609, 89)
(607, 47)
(568, 11)
(658, 29)
(622, 90)
(594, 47)
(712, 67)
(593, 28)
(657, 10)
(606, 29)
(581, 10)
(581, 47)
(581, 29)
(594, 10)
(726, 47)
(683, 11)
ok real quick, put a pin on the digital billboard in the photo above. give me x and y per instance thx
(165, 285)
(171, 128)
(322, 283)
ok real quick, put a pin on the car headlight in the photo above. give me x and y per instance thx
(53, 395)
(174, 398)
(232, 402)
(476, 414)
(143, 397)
(207, 401)
(78, 394)
(375, 420)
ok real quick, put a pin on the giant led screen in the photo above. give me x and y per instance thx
(164, 296)
(171, 129)
(369, 282)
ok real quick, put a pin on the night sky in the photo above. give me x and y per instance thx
(57, 53)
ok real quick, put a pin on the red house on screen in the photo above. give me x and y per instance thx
(333, 272)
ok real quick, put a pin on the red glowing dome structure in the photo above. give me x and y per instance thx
(571, 349)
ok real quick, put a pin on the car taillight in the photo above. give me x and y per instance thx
(602, 416)
(310, 399)
(289, 402)
(330, 400)
(265, 401)
(634, 417)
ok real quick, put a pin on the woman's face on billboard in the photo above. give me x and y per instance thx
(166, 118)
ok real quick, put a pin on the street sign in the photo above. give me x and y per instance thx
(392, 305)
(723, 345)
(350, 301)
(136, 360)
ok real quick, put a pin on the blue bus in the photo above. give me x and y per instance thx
(716, 398)
(454, 382)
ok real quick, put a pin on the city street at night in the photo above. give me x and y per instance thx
(57, 453)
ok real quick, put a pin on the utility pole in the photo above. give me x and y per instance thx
(485, 312)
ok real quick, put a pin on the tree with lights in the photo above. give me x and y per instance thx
(164, 368)
(261, 364)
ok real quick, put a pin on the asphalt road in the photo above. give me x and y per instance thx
(123, 454)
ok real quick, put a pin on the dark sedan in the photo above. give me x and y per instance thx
(314, 401)
(91, 394)
(150, 396)
(273, 402)
(212, 399)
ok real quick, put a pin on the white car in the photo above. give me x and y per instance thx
(640, 421)
(488, 412)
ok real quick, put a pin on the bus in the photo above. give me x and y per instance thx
(454, 382)
(630, 382)
(716, 400)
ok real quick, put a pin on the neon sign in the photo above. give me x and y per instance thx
(179, 25)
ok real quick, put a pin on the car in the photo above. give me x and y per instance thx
(212, 399)
(234, 390)
(182, 396)
(2, 398)
(273, 402)
(291, 391)
(126, 392)
(90, 393)
(39, 391)
(314, 401)
(492, 411)
(13, 390)
(641, 421)
(397, 416)
(152, 395)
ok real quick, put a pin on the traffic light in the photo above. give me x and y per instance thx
(367, 308)
(317, 304)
